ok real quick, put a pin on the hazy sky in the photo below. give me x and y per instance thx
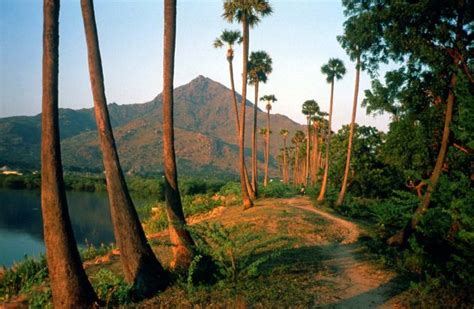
(300, 36)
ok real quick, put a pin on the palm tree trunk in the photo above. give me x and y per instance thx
(285, 167)
(342, 193)
(69, 284)
(308, 139)
(182, 243)
(139, 263)
(245, 194)
(237, 124)
(267, 153)
(322, 193)
(402, 236)
(254, 142)
(297, 154)
(234, 96)
(314, 174)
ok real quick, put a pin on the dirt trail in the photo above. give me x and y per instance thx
(358, 282)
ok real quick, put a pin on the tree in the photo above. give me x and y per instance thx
(140, 265)
(284, 134)
(259, 66)
(334, 70)
(230, 38)
(69, 284)
(180, 237)
(434, 44)
(270, 99)
(309, 108)
(248, 13)
(358, 37)
(297, 140)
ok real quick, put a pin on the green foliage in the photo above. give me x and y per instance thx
(22, 276)
(231, 188)
(111, 288)
(90, 251)
(234, 249)
(40, 298)
(279, 190)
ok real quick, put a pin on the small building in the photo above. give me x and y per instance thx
(5, 170)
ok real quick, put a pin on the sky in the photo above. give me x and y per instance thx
(300, 36)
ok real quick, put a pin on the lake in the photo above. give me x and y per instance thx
(21, 227)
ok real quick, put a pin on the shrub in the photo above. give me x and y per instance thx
(22, 276)
(111, 288)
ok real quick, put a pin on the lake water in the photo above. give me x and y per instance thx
(21, 227)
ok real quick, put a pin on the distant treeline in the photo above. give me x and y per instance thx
(96, 183)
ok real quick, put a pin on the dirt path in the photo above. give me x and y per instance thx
(358, 282)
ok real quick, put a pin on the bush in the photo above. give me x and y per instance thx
(112, 288)
(22, 276)
(279, 190)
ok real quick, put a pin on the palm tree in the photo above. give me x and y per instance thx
(259, 66)
(342, 193)
(140, 265)
(182, 243)
(69, 284)
(230, 38)
(317, 120)
(284, 134)
(334, 70)
(297, 139)
(309, 108)
(248, 13)
(270, 99)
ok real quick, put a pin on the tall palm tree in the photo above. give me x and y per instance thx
(297, 139)
(69, 284)
(270, 99)
(334, 70)
(248, 13)
(140, 265)
(284, 134)
(342, 193)
(259, 66)
(317, 120)
(182, 243)
(309, 108)
(230, 38)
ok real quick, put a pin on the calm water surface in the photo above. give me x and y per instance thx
(21, 228)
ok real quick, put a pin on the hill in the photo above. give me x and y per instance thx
(205, 134)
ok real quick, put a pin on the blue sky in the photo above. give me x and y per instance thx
(300, 36)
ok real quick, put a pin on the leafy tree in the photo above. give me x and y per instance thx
(433, 43)
(259, 67)
(69, 284)
(139, 263)
(248, 13)
(334, 70)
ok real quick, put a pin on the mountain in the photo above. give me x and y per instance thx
(204, 127)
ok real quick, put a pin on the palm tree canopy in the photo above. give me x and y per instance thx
(284, 132)
(259, 66)
(263, 131)
(269, 98)
(230, 37)
(310, 108)
(252, 10)
(298, 138)
(334, 69)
